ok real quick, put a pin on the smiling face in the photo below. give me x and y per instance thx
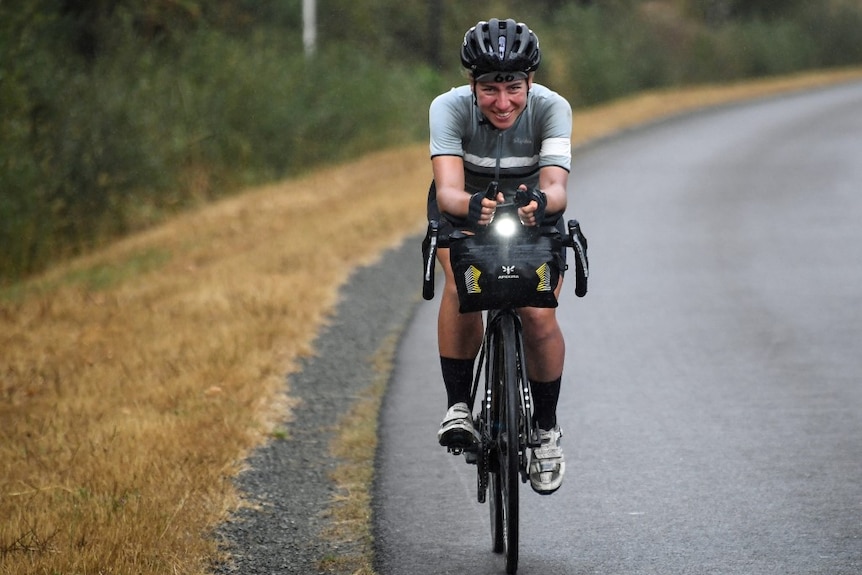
(502, 102)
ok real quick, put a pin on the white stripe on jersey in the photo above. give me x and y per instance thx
(512, 162)
(557, 147)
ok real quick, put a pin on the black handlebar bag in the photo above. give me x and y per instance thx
(495, 273)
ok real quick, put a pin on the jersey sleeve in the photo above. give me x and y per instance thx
(556, 130)
(446, 121)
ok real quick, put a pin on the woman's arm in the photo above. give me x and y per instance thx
(452, 198)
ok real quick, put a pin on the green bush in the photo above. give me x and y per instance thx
(835, 33)
(98, 149)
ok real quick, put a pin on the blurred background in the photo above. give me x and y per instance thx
(117, 114)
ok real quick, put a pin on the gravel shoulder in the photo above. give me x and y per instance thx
(287, 484)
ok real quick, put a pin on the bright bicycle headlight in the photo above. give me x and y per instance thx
(505, 226)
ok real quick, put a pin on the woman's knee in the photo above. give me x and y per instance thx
(540, 323)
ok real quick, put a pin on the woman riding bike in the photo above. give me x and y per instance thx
(500, 127)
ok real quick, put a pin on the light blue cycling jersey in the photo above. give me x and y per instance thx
(541, 136)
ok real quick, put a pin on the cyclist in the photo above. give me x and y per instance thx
(500, 127)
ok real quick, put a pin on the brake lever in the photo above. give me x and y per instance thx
(578, 241)
(429, 251)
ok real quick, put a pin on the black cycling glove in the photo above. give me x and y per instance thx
(475, 211)
(524, 197)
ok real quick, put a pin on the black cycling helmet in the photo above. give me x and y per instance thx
(500, 46)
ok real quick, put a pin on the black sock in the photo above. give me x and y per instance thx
(545, 397)
(458, 377)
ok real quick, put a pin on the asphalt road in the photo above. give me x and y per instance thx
(712, 401)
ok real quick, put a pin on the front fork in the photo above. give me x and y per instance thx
(528, 432)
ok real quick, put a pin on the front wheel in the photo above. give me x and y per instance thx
(504, 477)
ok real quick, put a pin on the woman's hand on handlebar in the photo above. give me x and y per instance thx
(531, 205)
(482, 209)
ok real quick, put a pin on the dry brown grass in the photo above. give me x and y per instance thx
(128, 399)
(135, 380)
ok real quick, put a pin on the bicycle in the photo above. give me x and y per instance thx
(504, 420)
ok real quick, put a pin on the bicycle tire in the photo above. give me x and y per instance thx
(505, 482)
(495, 497)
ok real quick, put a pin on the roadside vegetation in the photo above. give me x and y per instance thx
(118, 115)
